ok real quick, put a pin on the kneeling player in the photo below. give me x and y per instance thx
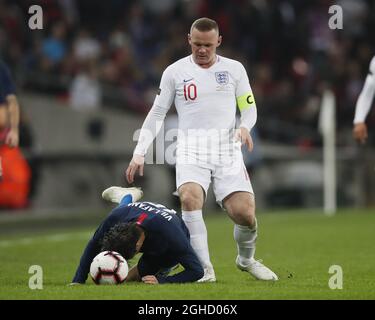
(145, 227)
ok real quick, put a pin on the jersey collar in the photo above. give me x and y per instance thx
(193, 62)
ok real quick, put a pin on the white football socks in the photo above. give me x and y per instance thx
(198, 235)
(246, 239)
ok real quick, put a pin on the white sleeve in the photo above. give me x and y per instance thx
(248, 118)
(366, 96)
(155, 118)
(245, 101)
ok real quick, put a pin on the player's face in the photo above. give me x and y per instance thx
(203, 46)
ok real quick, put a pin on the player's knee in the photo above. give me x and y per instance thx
(244, 214)
(251, 221)
(190, 201)
(250, 216)
(245, 220)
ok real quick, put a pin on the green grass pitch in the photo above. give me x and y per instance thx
(299, 246)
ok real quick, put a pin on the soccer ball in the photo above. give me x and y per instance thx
(109, 267)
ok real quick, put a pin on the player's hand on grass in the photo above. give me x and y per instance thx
(360, 132)
(150, 280)
(243, 136)
(136, 164)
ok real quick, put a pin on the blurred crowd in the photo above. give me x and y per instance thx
(112, 53)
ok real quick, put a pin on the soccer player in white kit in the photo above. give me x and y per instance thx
(363, 105)
(206, 89)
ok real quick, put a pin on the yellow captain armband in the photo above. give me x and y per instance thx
(245, 101)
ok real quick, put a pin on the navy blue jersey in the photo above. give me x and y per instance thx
(6, 83)
(167, 242)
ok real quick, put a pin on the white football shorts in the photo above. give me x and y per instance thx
(228, 176)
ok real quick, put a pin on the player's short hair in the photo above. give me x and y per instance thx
(122, 238)
(204, 24)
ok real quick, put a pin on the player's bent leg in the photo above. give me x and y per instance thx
(116, 194)
(191, 196)
(192, 199)
(241, 208)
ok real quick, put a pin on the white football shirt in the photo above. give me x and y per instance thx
(205, 100)
(366, 96)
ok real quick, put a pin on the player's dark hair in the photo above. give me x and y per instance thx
(204, 24)
(122, 238)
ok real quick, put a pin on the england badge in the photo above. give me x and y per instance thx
(222, 77)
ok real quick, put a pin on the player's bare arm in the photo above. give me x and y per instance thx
(243, 136)
(363, 105)
(150, 280)
(150, 128)
(360, 132)
(136, 164)
(12, 138)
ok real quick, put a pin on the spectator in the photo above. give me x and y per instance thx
(85, 90)
(86, 47)
(9, 108)
(14, 169)
(54, 47)
(15, 182)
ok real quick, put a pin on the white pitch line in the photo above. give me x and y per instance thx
(52, 238)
